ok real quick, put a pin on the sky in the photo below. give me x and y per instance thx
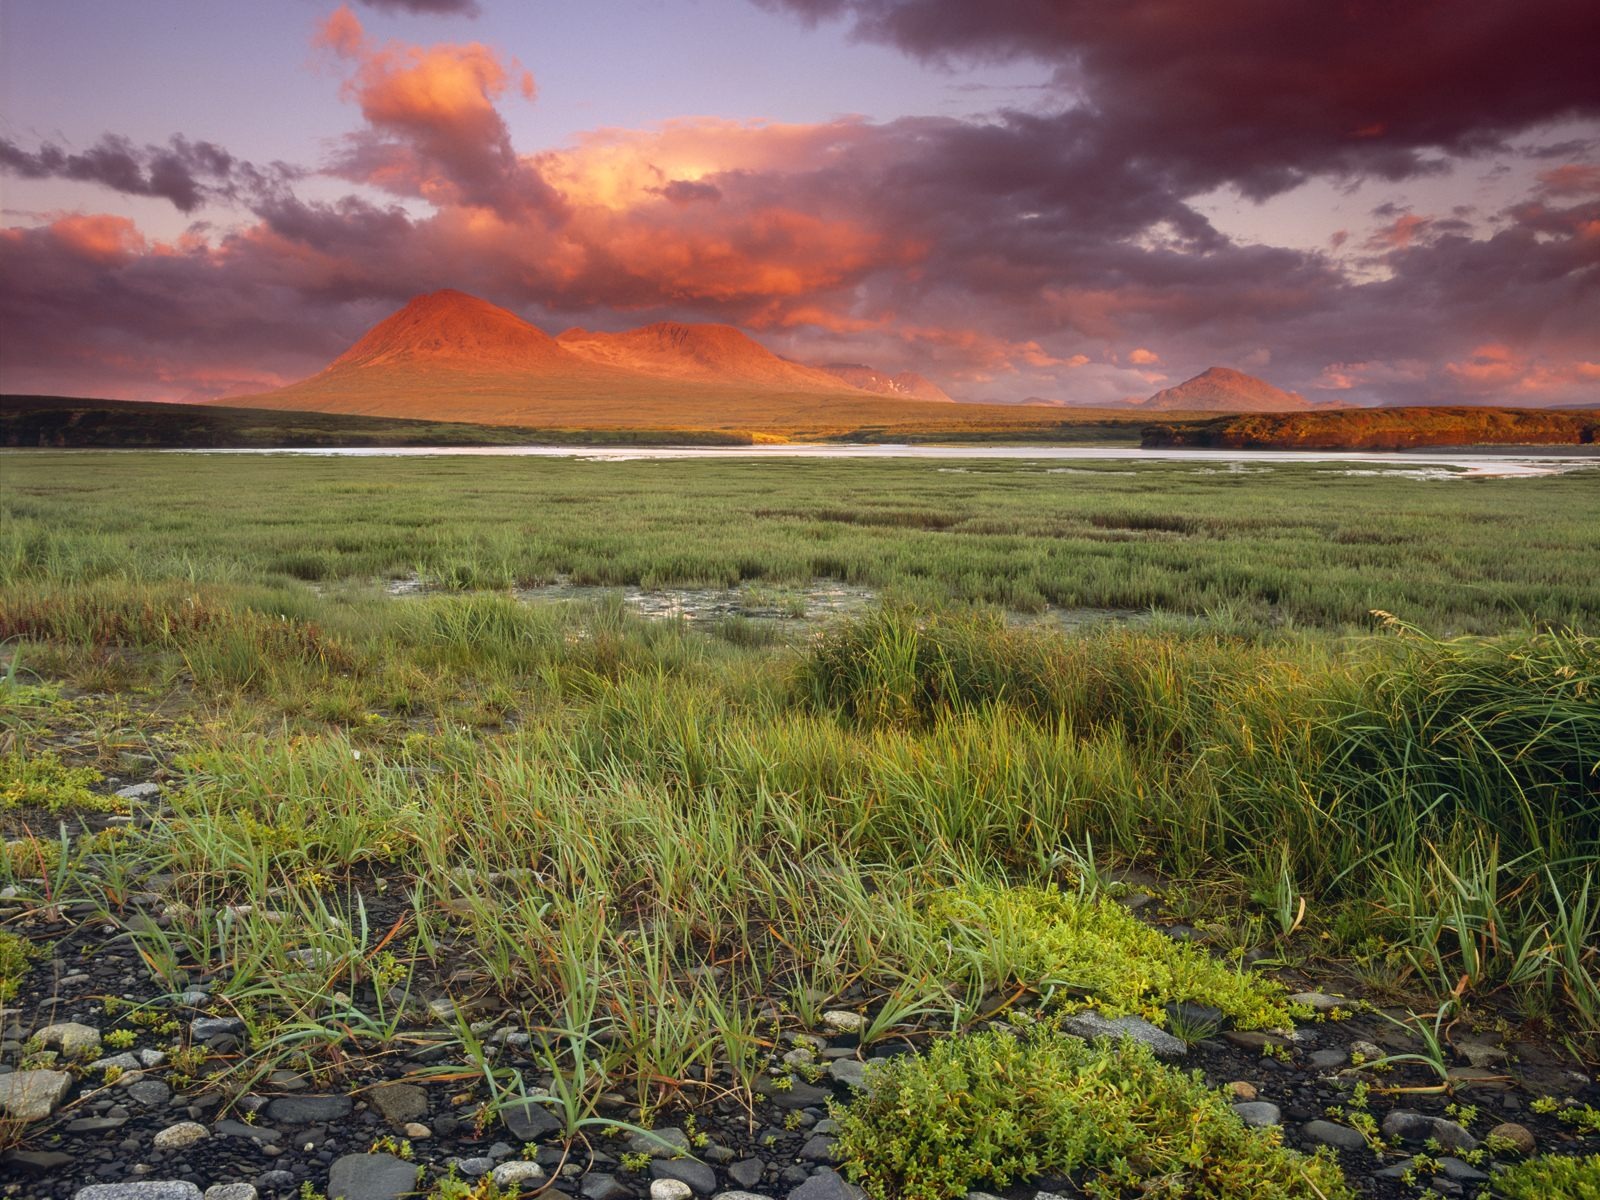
(1365, 202)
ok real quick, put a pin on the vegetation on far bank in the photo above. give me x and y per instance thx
(1384, 429)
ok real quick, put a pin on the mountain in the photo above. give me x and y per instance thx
(1385, 429)
(907, 384)
(705, 353)
(1222, 389)
(451, 357)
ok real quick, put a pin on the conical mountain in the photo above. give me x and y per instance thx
(450, 327)
(1222, 389)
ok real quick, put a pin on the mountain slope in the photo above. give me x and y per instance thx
(907, 384)
(1222, 389)
(717, 354)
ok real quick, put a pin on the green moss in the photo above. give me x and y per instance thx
(1095, 951)
(44, 781)
(991, 1110)
(14, 955)
(1551, 1177)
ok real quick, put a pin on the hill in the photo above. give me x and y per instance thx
(1385, 429)
(715, 354)
(908, 384)
(452, 357)
(1222, 389)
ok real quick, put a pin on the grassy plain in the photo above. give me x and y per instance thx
(661, 844)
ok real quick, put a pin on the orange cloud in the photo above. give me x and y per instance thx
(1143, 358)
(99, 237)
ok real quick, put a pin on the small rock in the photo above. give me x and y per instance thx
(308, 1110)
(1461, 1172)
(399, 1103)
(1367, 1050)
(660, 1143)
(416, 1131)
(528, 1122)
(1255, 1039)
(849, 1071)
(670, 1189)
(1258, 1114)
(1327, 1060)
(1091, 1025)
(473, 1168)
(827, 1184)
(599, 1186)
(231, 1191)
(143, 1189)
(1239, 1089)
(139, 791)
(204, 1028)
(516, 1173)
(1480, 1054)
(1518, 1137)
(32, 1095)
(1415, 1126)
(180, 1136)
(148, 1093)
(71, 1038)
(818, 1148)
(747, 1172)
(739, 1196)
(842, 1021)
(1329, 1134)
(371, 1177)
(122, 1062)
(696, 1176)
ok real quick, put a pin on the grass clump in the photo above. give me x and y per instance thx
(1551, 1177)
(991, 1110)
(14, 955)
(44, 781)
(1094, 950)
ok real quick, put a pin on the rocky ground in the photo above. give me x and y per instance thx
(104, 1094)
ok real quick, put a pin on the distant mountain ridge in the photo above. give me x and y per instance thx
(907, 383)
(448, 356)
(712, 353)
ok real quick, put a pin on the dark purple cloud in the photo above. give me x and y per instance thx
(440, 8)
(187, 173)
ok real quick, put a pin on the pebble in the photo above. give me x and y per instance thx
(143, 1189)
(371, 1177)
(32, 1095)
(1329, 1134)
(1091, 1025)
(180, 1136)
(1239, 1089)
(696, 1176)
(71, 1038)
(306, 1110)
(660, 1143)
(843, 1021)
(399, 1102)
(1319, 1001)
(416, 1131)
(528, 1122)
(851, 1072)
(670, 1189)
(826, 1184)
(516, 1173)
(1519, 1137)
(599, 1186)
(231, 1191)
(1415, 1126)
(139, 791)
(1259, 1114)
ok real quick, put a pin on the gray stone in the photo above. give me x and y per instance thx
(256, 1133)
(599, 1186)
(795, 1095)
(180, 1136)
(1255, 1039)
(843, 1021)
(1258, 1114)
(747, 1172)
(1461, 1172)
(1328, 1060)
(307, 1110)
(849, 1071)
(96, 1124)
(139, 791)
(1091, 1025)
(660, 1143)
(204, 1028)
(370, 1177)
(527, 1121)
(517, 1173)
(670, 1189)
(1329, 1134)
(398, 1103)
(740, 1196)
(696, 1176)
(71, 1038)
(827, 1184)
(148, 1093)
(1518, 1137)
(818, 1148)
(1415, 1126)
(144, 1189)
(231, 1191)
(475, 1167)
(32, 1095)
(122, 1062)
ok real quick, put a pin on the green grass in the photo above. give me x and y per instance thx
(667, 846)
(1307, 546)
(1550, 1177)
